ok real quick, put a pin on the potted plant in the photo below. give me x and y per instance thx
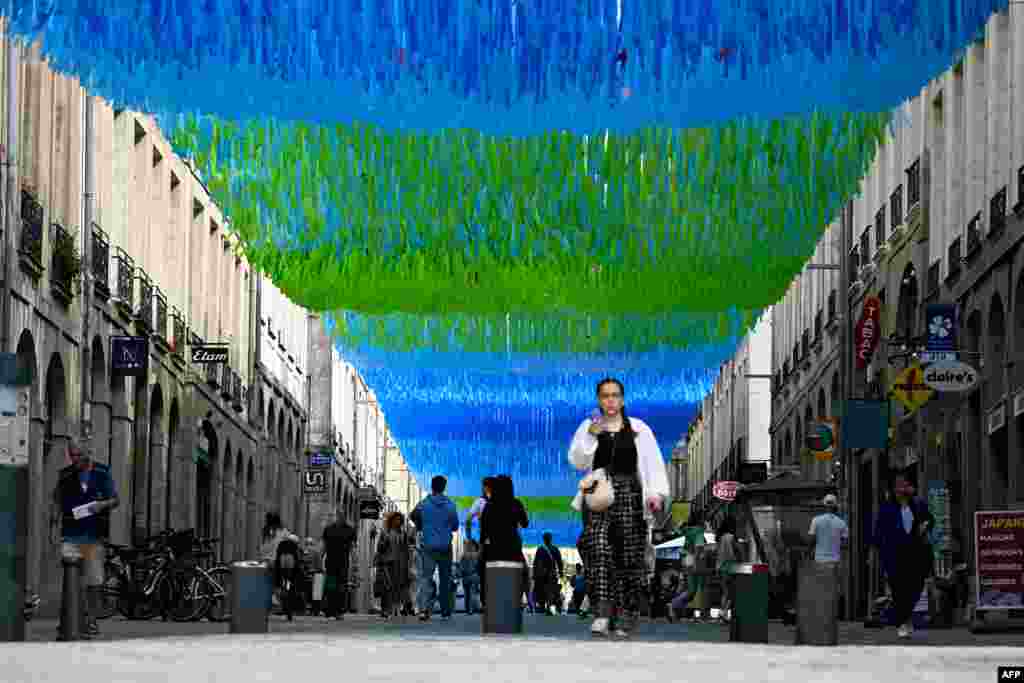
(67, 266)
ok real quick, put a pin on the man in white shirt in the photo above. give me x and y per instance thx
(829, 532)
(477, 509)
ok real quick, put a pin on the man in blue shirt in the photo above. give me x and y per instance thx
(436, 519)
(84, 496)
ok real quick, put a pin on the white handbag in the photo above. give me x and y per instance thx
(598, 492)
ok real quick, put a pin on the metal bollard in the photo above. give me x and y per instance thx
(504, 585)
(251, 597)
(72, 610)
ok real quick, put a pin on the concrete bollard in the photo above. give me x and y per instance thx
(251, 597)
(504, 585)
(817, 615)
(72, 604)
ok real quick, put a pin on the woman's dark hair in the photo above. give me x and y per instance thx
(627, 426)
(271, 524)
(503, 489)
(394, 520)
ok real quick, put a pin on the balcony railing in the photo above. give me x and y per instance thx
(896, 207)
(854, 263)
(213, 374)
(786, 371)
(125, 277)
(954, 257)
(819, 324)
(865, 246)
(997, 215)
(227, 381)
(100, 262)
(796, 355)
(914, 184)
(65, 264)
(178, 334)
(805, 344)
(236, 392)
(1018, 208)
(31, 242)
(974, 235)
(144, 315)
(160, 317)
(833, 305)
(934, 278)
(880, 228)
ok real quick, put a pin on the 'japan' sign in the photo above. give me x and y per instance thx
(868, 330)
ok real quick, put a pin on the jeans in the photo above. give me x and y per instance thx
(469, 588)
(441, 561)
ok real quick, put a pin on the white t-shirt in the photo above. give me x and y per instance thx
(908, 518)
(829, 531)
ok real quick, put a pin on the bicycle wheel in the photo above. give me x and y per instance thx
(216, 586)
(179, 598)
(114, 583)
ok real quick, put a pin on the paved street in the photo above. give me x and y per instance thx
(552, 647)
(455, 651)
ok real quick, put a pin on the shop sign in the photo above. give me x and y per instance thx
(951, 376)
(821, 439)
(868, 331)
(941, 327)
(129, 356)
(910, 389)
(999, 560)
(315, 482)
(319, 460)
(725, 490)
(210, 354)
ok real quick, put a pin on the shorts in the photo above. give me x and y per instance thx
(92, 554)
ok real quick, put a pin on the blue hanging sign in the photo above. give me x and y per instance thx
(129, 356)
(941, 319)
(318, 460)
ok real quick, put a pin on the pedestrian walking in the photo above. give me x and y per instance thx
(904, 548)
(436, 518)
(613, 542)
(829, 531)
(338, 539)
(392, 563)
(547, 575)
(283, 554)
(500, 523)
(468, 569)
(476, 512)
(579, 591)
(83, 498)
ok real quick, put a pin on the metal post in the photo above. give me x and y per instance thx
(72, 597)
(86, 274)
(845, 358)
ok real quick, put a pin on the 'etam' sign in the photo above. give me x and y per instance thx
(209, 354)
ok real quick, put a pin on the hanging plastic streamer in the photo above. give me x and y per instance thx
(698, 221)
(506, 67)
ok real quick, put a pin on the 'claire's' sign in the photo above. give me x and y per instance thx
(210, 354)
(866, 334)
(951, 376)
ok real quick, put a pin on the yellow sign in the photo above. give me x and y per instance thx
(910, 389)
(680, 513)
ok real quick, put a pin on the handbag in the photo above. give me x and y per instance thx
(598, 492)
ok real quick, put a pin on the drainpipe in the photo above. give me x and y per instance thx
(10, 210)
(85, 415)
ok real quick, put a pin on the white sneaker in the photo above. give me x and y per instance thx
(600, 626)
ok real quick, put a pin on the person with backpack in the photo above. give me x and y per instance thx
(436, 518)
(547, 574)
(281, 551)
(338, 539)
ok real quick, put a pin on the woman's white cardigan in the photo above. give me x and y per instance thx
(650, 464)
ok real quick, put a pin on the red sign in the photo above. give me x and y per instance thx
(1000, 559)
(725, 490)
(869, 329)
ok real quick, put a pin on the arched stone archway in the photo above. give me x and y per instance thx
(207, 462)
(240, 506)
(226, 475)
(798, 440)
(173, 487)
(55, 441)
(907, 304)
(99, 394)
(27, 368)
(252, 511)
(271, 465)
(155, 463)
(995, 360)
(120, 448)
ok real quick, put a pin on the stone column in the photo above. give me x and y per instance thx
(140, 466)
(120, 450)
(101, 412)
(157, 472)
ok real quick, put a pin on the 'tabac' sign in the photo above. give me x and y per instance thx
(868, 331)
(129, 356)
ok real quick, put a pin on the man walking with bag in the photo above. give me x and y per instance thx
(337, 542)
(436, 518)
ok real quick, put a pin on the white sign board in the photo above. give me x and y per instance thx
(937, 356)
(13, 426)
(950, 376)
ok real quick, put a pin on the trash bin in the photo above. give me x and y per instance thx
(251, 597)
(817, 611)
(749, 623)
(504, 585)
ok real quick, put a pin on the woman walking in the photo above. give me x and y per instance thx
(392, 562)
(500, 523)
(614, 541)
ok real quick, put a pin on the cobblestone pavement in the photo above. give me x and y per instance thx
(555, 648)
(565, 627)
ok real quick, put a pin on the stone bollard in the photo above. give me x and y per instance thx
(72, 604)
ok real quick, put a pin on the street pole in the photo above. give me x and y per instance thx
(85, 426)
(848, 470)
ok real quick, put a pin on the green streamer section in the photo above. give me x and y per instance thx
(457, 223)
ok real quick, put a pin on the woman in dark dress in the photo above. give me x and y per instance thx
(500, 523)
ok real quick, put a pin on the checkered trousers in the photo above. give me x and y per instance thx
(613, 547)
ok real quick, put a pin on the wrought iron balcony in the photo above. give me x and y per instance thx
(227, 381)
(805, 345)
(954, 257)
(880, 228)
(896, 207)
(212, 374)
(144, 314)
(178, 335)
(796, 355)
(974, 235)
(854, 263)
(934, 278)
(833, 306)
(30, 245)
(865, 246)
(160, 318)
(236, 392)
(819, 324)
(100, 262)
(125, 278)
(65, 264)
(914, 184)
(997, 215)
